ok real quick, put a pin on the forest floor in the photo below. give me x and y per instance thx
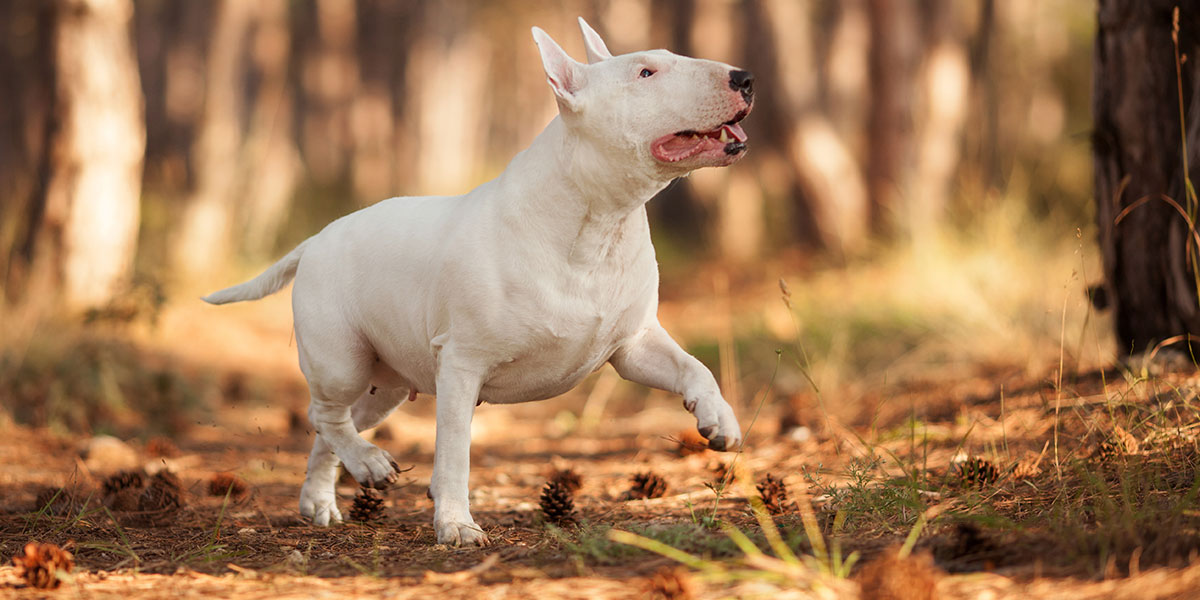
(1005, 485)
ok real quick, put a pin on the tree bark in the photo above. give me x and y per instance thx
(1139, 162)
(205, 234)
(95, 185)
(891, 65)
(271, 163)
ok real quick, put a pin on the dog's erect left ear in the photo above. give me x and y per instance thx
(596, 49)
(564, 73)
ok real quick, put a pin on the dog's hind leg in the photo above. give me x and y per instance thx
(338, 367)
(318, 495)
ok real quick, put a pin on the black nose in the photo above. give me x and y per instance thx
(742, 81)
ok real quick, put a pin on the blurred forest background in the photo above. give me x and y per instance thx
(919, 170)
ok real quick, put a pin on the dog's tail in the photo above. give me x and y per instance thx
(268, 282)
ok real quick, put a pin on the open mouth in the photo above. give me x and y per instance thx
(728, 139)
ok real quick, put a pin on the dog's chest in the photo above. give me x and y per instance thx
(559, 329)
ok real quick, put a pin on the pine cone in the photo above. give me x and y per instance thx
(121, 491)
(123, 480)
(670, 584)
(1119, 444)
(568, 478)
(774, 495)
(691, 442)
(368, 505)
(162, 498)
(161, 447)
(228, 483)
(55, 501)
(557, 504)
(41, 563)
(976, 472)
(647, 485)
(889, 576)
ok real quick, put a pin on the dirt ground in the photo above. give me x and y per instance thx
(871, 480)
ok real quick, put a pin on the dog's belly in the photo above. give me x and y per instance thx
(540, 375)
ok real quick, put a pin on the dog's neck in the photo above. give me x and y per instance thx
(579, 200)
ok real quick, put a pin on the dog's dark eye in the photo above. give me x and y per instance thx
(645, 73)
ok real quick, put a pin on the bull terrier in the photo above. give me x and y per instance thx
(516, 290)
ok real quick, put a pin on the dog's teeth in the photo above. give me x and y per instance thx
(724, 136)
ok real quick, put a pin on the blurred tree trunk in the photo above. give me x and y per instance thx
(272, 162)
(28, 126)
(446, 116)
(943, 82)
(1138, 160)
(892, 59)
(330, 80)
(204, 238)
(820, 172)
(92, 200)
(734, 201)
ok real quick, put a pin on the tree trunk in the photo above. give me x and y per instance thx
(1138, 163)
(271, 163)
(891, 61)
(831, 210)
(95, 184)
(942, 83)
(28, 127)
(205, 235)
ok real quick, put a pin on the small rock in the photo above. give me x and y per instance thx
(800, 434)
(107, 454)
(295, 560)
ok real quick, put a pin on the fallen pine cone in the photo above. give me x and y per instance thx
(890, 577)
(774, 495)
(976, 472)
(55, 501)
(557, 505)
(1120, 444)
(691, 442)
(161, 447)
(368, 505)
(42, 564)
(670, 584)
(228, 483)
(568, 478)
(647, 485)
(123, 480)
(121, 491)
(162, 498)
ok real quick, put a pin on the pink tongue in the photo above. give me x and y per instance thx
(736, 132)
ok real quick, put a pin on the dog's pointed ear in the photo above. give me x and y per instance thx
(564, 73)
(596, 49)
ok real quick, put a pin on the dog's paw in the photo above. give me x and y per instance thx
(717, 423)
(319, 507)
(372, 467)
(454, 533)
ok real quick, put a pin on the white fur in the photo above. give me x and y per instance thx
(513, 292)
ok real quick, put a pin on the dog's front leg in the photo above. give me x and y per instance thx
(457, 392)
(654, 359)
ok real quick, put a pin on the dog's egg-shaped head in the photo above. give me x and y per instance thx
(675, 113)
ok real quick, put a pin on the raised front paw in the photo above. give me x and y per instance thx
(319, 506)
(717, 423)
(456, 533)
(372, 467)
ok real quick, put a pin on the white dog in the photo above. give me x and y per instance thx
(517, 290)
